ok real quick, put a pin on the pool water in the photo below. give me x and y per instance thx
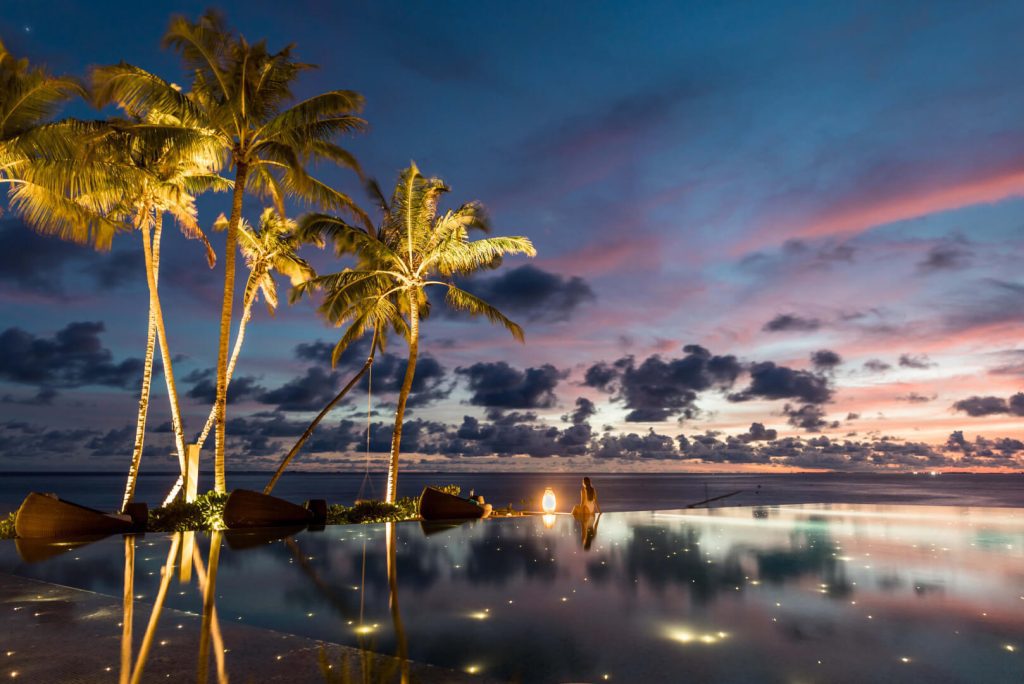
(796, 593)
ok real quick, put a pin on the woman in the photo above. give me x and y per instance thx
(588, 500)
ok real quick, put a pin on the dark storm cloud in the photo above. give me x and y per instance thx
(533, 293)
(768, 381)
(73, 357)
(502, 386)
(919, 361)
(986, 406)
(791, 322)
(825, 359)
(658, 389)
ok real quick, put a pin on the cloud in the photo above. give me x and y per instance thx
(658, 389)
(309, 392)
(768, 381)
(758, 433)
(791, 322)
(825, 360)
(986, 406)
(584, 410)
(915, 398)
(920, 361)
(946, 256)
(73, 357)
(534, 293)
(876, 366)
(204, 386)
(809, 417)
(40, 265)
(502, 386)
(632, 447)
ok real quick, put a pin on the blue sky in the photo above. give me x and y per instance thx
(766, 181)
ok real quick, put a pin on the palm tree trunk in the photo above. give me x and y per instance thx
(147, 380)
(246, 315)
(158, 607)
(220, 406)
(403, 397)
(165, 354)
(209, 609)
(316, 421)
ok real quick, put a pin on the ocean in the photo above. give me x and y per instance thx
(616, 491)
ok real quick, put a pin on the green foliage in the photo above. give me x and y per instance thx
(205, 513)
(7, 525)
(407, 508)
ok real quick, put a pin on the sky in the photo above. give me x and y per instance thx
(770, 236)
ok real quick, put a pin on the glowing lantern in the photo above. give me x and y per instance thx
(548, 501)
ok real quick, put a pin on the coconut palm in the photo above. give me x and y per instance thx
(174, 156)
(50, 184)
(243, 92)
(29, 98)
(413, 249)
(269, 249)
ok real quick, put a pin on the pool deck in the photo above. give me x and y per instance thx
(53, 633)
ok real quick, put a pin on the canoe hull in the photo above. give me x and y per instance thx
(437, 505)
(45, 516)
(245, 508)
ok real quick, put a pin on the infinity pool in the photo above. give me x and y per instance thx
(788, 594)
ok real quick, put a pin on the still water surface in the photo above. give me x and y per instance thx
(807, 593)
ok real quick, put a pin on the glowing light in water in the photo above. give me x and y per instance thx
(549, 519)
(548, 501)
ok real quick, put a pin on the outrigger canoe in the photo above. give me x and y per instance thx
(246, 508)
(438, 505)
(47, 516)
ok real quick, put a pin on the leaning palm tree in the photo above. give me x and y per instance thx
(412, 250)
(243, 92)
(271, 248)
(174, 156)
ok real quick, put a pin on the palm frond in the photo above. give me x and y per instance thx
(460, 300)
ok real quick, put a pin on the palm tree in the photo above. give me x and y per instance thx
(273, 247)
(413, 249)
(29, 97)
(50, 183)
(174, 157)
(242, 91)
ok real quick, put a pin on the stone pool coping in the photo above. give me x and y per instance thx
(54, 633)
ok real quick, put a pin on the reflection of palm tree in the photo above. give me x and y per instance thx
(129, 611)
(154, 616)
(211, 625)
(396, 615)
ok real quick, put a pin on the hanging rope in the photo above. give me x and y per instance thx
(369, 406)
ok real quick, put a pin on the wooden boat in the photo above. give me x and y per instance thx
(437, 505)
(246, 508)
(432, 527)
(47, 516)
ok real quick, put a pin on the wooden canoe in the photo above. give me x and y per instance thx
(47, 516)
(245, 508)
(37, 550)
(437, 505)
